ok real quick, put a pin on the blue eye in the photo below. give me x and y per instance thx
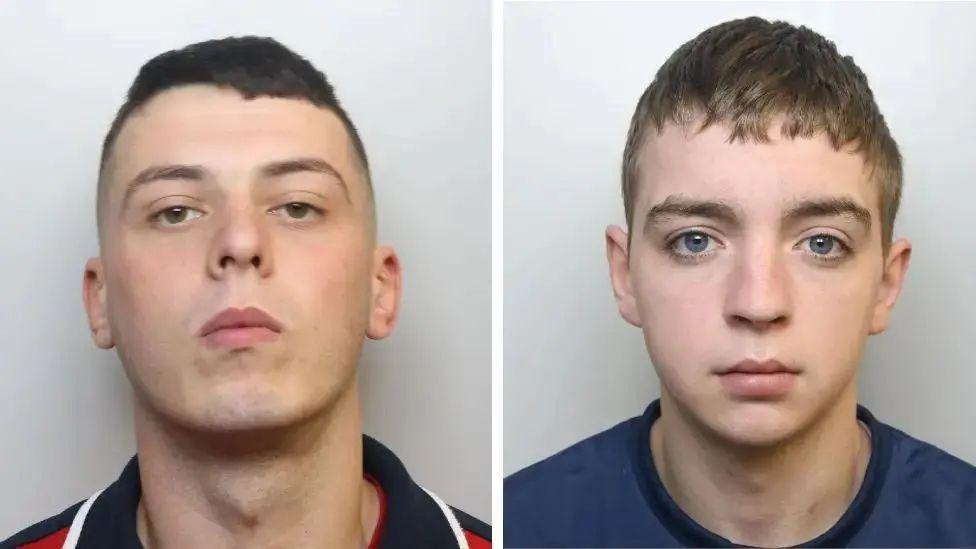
(824, 247)
(827, 248)
(695, 242)
(821, 244)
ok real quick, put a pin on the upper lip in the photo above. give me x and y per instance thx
(752, 366)
(251, 317)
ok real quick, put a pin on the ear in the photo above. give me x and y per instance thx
(93, 293)
(891, 283)
(387, 287)
(618, 256)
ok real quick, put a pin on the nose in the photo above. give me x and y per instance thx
(241, 242)
(759, 289)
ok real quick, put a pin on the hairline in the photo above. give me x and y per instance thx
(107, 165)
(649, 128)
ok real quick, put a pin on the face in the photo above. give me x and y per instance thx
(233, 222)
(762, 251)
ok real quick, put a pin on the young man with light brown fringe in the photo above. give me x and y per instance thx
(761, 185)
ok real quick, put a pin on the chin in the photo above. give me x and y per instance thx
(245, 398)
(237, 406)
(249, 415)
(753, 424)
(261, 404)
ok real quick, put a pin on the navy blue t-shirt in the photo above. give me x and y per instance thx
(605, 492)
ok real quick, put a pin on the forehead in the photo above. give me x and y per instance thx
(756, 176)
(218, 128)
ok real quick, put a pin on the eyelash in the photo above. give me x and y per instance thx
(156, 217)
(318, 211)
(698, 258)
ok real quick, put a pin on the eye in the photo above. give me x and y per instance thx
(175, 215)
(695, 242)
(298, 210)
(821, 245)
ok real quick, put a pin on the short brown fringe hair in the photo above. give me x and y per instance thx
(746, 72)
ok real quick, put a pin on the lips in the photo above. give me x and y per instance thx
(751, 366)
(240, 328)
(758, 379)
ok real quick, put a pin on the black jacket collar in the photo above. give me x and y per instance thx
(412, 519)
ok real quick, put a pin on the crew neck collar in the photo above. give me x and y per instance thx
(689, 533)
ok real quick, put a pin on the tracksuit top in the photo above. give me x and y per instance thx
(410, 515)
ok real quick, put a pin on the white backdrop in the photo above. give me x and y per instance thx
(414, 77)
(573, 74)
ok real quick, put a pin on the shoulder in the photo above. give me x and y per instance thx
(922, 470)
(928, 496)
(586, 461)
(591, 477)
(477, 532)
(46, 534)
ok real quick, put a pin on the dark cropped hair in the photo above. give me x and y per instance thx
(254, 66)
(745, 74)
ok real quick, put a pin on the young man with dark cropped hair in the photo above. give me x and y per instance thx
(761, 185)
(238, 277)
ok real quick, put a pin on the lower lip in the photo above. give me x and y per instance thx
(743, 384)
(235, 338)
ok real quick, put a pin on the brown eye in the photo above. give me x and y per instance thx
(297, 211)
(176, 215)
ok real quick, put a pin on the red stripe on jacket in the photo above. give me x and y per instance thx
(476, 542)
(51, 541)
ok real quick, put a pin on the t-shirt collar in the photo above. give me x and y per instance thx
(689, 533)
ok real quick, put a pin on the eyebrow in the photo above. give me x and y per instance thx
(197, 172)
(829, 206)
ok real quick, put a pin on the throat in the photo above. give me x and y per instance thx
(257, 526)
(781, 496)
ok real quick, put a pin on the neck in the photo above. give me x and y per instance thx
(295, 486)
(774, 496)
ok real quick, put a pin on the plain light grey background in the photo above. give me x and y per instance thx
(414, 77)
(573, 74)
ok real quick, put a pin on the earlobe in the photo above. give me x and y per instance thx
(618, 258)
(892, 280)
(387, 287)
(94, 295)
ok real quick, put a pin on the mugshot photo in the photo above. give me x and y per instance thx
(251, 300)
(432, 274)
(733, 311)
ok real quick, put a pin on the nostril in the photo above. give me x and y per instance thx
(229, 260)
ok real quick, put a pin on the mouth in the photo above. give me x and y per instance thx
(238, 328)
(752, 366)
(758, 379)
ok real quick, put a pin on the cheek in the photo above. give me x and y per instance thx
(331, 278)
(832, 317)
(680, 314)
(150, 327)
(147, 284)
